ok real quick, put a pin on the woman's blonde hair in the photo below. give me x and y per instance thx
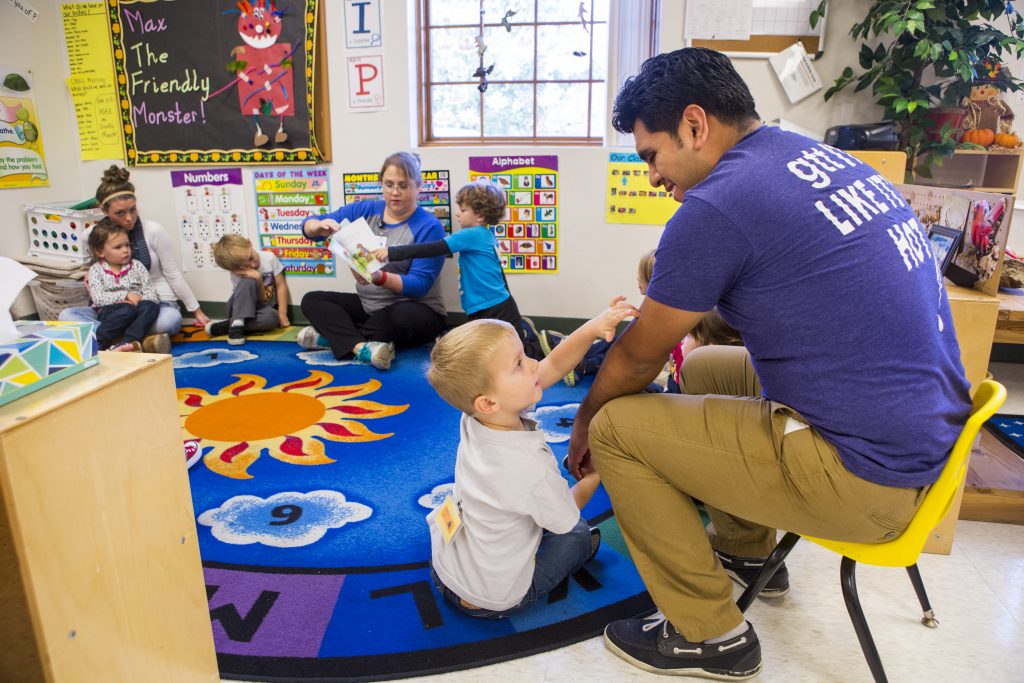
(460, 364)
(231, 252)
(646, 269)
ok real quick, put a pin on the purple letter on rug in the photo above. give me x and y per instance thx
(270, 615)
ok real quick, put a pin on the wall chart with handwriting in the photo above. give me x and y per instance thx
(216, 82)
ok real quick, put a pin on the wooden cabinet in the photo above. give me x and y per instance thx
(100, 576)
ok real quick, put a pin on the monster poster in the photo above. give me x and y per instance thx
(218, 82)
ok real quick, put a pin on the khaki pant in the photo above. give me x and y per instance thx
(754, 463)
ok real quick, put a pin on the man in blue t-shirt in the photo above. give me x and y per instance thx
(832, 422)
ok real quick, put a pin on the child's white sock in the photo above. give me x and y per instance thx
(237, 322)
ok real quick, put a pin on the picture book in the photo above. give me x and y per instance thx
(355, 243)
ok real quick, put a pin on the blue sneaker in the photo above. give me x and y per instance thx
(378, 354)
(311, 340)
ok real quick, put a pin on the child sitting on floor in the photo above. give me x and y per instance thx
(521, 532)
(483, 289)
(259, 296)
(120, 289)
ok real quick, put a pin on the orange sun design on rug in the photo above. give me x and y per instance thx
(245, 417)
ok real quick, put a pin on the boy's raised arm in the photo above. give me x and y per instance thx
(571, 350)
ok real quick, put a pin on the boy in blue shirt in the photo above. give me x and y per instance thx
(483, 289)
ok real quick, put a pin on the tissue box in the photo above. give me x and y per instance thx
(43, 353)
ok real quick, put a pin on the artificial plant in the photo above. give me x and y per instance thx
(919, 56)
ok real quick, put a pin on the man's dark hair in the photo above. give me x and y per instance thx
(669, 83)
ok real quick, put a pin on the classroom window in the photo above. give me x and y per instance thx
(549, 81)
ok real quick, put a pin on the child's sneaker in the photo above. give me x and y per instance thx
(218, 329)
(377, 354)
(311, 340)
(530, 333)
(127, 347)
(157, 343)
(549, 339)
(236, 335)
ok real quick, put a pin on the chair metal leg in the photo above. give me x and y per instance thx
(860, 624)
(771, 565)
(928, 619)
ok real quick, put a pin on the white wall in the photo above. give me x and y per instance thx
(598, 260)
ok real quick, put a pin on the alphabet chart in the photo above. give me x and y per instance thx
(208, 204)
(285, 197)
(528, 236)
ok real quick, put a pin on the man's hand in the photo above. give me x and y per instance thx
(321, 228)
(579, 461)
(133, 298)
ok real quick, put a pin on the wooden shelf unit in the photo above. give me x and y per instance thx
(100, 575)
(980, 170)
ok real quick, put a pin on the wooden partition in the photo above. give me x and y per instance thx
(100, 576)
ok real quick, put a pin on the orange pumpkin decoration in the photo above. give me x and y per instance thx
(979, 136)
(1007, 140)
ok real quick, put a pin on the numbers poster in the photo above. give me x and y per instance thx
(208, 204)
(285, 197)
(434, 193)
(528, 238)
(631, 199)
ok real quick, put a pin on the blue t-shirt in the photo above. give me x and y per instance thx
(823, 268)
(481, 283)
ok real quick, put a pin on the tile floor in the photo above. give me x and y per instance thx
(977, 592)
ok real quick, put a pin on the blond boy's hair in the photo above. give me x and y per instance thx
(646, 269)
(460, 364)
(485, 198)
(231, 252)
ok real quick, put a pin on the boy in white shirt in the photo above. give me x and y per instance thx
(521, 532)
(259, 296)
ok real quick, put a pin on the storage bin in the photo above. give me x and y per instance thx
(53, 296)
(57, 231)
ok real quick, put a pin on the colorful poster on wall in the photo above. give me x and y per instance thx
(362, 24)
(92, 81)
(208, 204)
(285, 197)
(631, 199)
(434, 193)
(366, 83)
(528, 239)
(22, 163)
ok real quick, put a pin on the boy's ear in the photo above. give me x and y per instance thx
(484, 405)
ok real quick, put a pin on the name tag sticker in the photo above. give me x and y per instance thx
(447, 519)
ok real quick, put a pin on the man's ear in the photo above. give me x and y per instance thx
(484, 405)
(695, 121)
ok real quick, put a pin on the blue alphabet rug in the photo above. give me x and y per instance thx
(311, 478)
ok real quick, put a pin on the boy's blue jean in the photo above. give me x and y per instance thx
(558, 556)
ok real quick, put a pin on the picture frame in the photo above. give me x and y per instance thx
(945, 243)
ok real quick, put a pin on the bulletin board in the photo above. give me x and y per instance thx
(777, 24)
(220, 82)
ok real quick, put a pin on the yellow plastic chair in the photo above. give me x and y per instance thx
(903, 550)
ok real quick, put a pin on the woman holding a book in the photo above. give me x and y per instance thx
(401, 304)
